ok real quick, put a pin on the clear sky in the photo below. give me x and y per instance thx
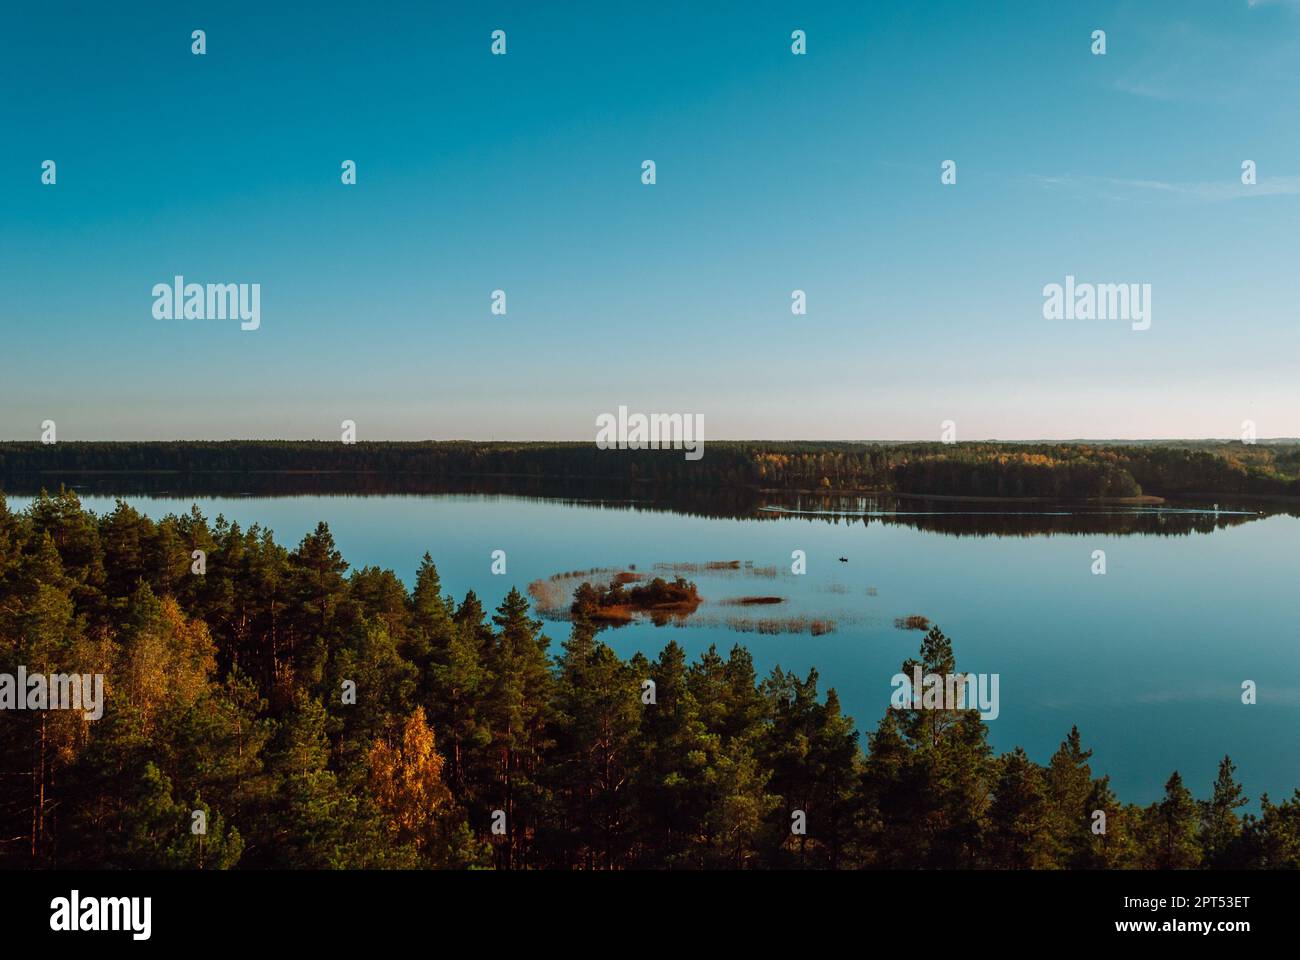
(775, 172)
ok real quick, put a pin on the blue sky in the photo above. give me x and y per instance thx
(775, 172)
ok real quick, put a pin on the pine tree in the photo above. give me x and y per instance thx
(1109, 841)
(886, 805)
(1170, 829)
(596, 720)
(675, 753)
(1069, 785)
(380, 684)
(75, 535)
(740, 806)
(123, 535)
(217, 748)
(158, 832)
(431, 616)
(1220, 823)
(458, 684)
(315, 821)
(1019, 834)
(516, 709)
(1272, 840)
(318, 589)
(812, 751)
(948, 772)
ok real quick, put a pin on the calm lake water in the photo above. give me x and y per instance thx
(1148, 660)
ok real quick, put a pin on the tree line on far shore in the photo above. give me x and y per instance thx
(986, 469)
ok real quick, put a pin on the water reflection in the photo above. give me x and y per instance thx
(960, 518)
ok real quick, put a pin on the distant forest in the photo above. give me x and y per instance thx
(994, 469)
(319, 716)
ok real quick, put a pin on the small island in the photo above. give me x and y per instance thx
(751, 601)
(912, 622)
(617, 604)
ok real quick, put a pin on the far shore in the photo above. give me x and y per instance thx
(1141, 500)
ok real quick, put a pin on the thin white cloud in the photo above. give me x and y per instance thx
(1207, 191)
(1188, 61)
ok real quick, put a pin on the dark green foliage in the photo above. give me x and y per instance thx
(1170, 828)
(1220, 823)
(281, 699)
(987, 469)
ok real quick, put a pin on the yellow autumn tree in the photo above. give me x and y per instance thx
(166, 658)
(406, 782)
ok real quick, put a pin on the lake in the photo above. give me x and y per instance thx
(1148, 659)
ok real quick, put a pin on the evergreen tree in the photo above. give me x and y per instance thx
(160, 832)
(596, 718)
(886, 802)
(1069, 786)
(1019, 833)
(312, 821)
(431, 616)
(675, 753)
(458, 684)
(740, 806)
(1109, 841)
(1220, 823)
(812, 751)
(948, 772)
(318, 590)
(1271, 841)
(517, 712)
(1170, 829)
